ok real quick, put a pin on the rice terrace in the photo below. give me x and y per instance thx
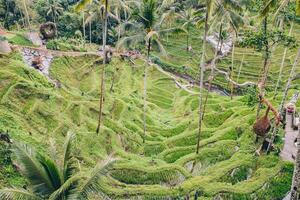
(149, 99)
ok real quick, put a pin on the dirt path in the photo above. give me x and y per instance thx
(58, 53)
(288, 152)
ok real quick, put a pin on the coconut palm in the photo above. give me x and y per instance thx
(189, 19)
(284, 17)
(26, 14)
(208, 5)
(54, 9)
(54, 179)
(225, 12)
(104, 8)
(147, 29)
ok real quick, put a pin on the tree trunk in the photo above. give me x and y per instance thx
(282, 64)
(145, 89)
(26, 15)
(231, 70)
(264, 69)
(296, 176)
(83, 26)
(104, 64)
(240, 69)
(201, 70)
(187, 39)
(212, 73)
(289, 82)
(287, 87)
(90, 30)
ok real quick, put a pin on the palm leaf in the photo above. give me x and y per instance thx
(160, 46)
(67, 164)
(33, 170)
(270, 4)
(51, 169)
(17, 194)
(67, 189)
(130, 40)
(91, 184)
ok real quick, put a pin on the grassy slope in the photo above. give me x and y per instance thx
(179, 57)
(35, 112)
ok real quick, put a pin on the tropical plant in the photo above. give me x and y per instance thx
(224, 13)
(226, 16)
(53, 179)
(54, 9)
(285, 17)
(146, 29)
(208, 5)
(104, 11)
(189, 18)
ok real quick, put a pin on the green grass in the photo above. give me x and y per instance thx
(20, 39)
(35, 112)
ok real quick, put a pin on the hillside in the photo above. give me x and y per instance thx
(35, 112)
(149, 100)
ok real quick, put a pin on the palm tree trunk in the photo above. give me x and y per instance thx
(83, 27)
(103, 70)
(90, 31)
(187, 39)
(231, 70)
(145, 90)
(240, 69)
(296, 175)
(26, 14)
(282, 64)
(264, 69)
(287, 87)
(22, 18)
(212, 73)
(53, 16)
(201, 70)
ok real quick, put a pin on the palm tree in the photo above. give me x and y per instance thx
(54, 9)
(55, 180)
(26, 14)
(284, 17)
(189, 19)
(225, 15)
(148, 31)
(282, 63)
(201, 69)
(104, 38)
(82, 4)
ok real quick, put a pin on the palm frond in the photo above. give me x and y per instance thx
(51, 170)
(82, 4)
(91, 183)
(67, 165)
(33, 170)
(67, 188)
(160, 46)
(282, 4)
(166, 4)
(270, 4)
(233, 5)
(17, 194)
(130, 40)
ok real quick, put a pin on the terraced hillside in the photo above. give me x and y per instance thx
(246, 60)
(35, 112)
